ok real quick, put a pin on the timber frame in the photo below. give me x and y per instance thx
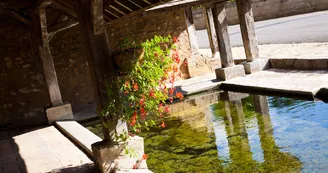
(92, 15)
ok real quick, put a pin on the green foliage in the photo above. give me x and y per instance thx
(143, 90)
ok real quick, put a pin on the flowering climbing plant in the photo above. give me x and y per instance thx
(149, 84)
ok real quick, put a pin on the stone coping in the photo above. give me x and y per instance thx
(78, 134)
(304, 84)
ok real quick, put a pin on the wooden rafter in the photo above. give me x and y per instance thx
(44, 3)
(19, 17)
(62, 26)
(67, 10)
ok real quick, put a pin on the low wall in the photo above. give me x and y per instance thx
(267, 9)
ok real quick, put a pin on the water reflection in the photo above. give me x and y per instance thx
(240, 133)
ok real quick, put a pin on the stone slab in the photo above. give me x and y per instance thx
(302, 83)
(42, 150)
(227, 73)
(79, 134)
(62, 112)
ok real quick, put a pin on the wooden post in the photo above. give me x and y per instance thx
(221, 28)
(99, 58)
(246, 20)
(191, 31)
(39, 27)
(208, 14)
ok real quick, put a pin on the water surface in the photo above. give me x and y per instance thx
(240, 133)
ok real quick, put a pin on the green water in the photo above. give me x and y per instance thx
(253, 134)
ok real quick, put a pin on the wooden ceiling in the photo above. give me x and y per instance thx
(113, 9)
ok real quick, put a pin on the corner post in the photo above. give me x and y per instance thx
(59, 110)
(229, 70)
(209, 20)
(90, 14)
(246, 20)
(191, 31)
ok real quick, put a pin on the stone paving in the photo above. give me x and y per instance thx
(40, 151)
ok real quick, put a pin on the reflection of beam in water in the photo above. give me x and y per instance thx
(228, 118)
(275, 160)
(239, 149)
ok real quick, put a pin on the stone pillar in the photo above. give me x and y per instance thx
(59, 110)
(229, 70)
(246, 20)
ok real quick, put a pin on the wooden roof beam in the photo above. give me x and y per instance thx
(44, 3)
(62, 26)
(19, 17)
(65, 9)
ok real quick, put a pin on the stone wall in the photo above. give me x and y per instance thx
(144, 26)
(268, 9)
(24, 97)
(22, 86)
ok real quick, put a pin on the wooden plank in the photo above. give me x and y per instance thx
(65, 9)
(211, 29)
(44, 3)
(221, 28)
(18, 17)
(191, 30)
(100, 63)
(180, 4)
(62, 26)
(39, 29)
(246, 20)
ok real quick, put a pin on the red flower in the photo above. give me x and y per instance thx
(135, 166)
(126, 83)
(151, 93)
(156, 54)
(143, 113)
(175, 40)
(134, 119)
(133, 122)
(179, 95)
(167, 109)
(163, 125)
(171, 90)
(141, 102)
(145, 156)
(135, 86)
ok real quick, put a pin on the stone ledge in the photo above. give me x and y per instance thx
(81, 136)
(227, 73)
(300, 64)
(62, 112)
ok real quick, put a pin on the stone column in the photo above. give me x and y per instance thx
(59, 110)
(246, 20)
(229, 70)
